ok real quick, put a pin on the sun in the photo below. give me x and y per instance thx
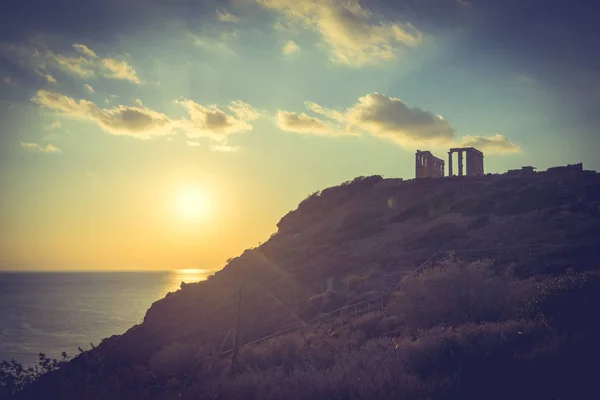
(193, 204)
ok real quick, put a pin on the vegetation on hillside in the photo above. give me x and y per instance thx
(498, 315)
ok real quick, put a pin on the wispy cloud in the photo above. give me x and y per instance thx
(227, 17)
(82, 62)
(303, 123)
(89, 87)
(49, 78)
(225, 148)
(193, 143)
(353, 34)
(497, 144)
(7, 80)
(83, 49)
(116, 69)
(290, 47)
(34, 147)
(54, 125)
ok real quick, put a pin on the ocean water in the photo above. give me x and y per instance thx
(52, 312)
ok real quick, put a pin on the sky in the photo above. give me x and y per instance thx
(152, 134)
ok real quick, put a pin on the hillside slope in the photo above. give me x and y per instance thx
(365, 235)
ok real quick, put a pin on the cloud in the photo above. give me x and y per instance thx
(219, 45)
(7, 80)
(139, 122)
(244, 110)
(80, 66)
(54, 125)
(303, 123)
(34, 147)
(285, 27)
(380, 115)
(213, 122)
(352, 33)
(290, 47)
(84, 62)
(391, 118)
(225, 148)
(119, 70)
(490, 144)
(90, 88)
(388, 118)
(227, 17)
(83, 49)
(193, 143)
(48, 77)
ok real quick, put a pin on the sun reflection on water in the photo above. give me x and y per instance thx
(186, 275)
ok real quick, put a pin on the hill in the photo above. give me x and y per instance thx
(509, 258)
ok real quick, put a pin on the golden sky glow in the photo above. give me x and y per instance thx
(177, 137)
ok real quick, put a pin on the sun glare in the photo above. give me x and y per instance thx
(193, 204)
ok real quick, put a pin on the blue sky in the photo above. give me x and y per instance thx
(109, 108)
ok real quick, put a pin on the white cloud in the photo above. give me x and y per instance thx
(225, 148)
(121, 120)
(490, 144)
(79, 66)
(83, 62)
(303, 123)
(389, 118)
(54, 125)
(89, 87)
(116, 69)
(48, 77)
(142, 122)
(213, 122)
(34, 147)
(83, 49)
(193, 143)
(354, 35)
(377, 114)
(290, 47)
(244, 110)
(227, 17)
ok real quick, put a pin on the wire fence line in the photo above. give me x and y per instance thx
(431, 261)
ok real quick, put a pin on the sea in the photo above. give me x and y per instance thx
(55, 312)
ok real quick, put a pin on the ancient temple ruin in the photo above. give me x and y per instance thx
(474, 161)
(428, 165)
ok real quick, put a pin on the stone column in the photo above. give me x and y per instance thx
(417, 164)
(481, 165)
(449, 163)
(460, 163)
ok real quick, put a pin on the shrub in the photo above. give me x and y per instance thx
(368, 324)
(451, 293)
(569, 302)
(174, 358)
(479, 222)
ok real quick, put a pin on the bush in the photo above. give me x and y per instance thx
(175, 358)
(479, 222)
(451, 293)
(569, 302)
